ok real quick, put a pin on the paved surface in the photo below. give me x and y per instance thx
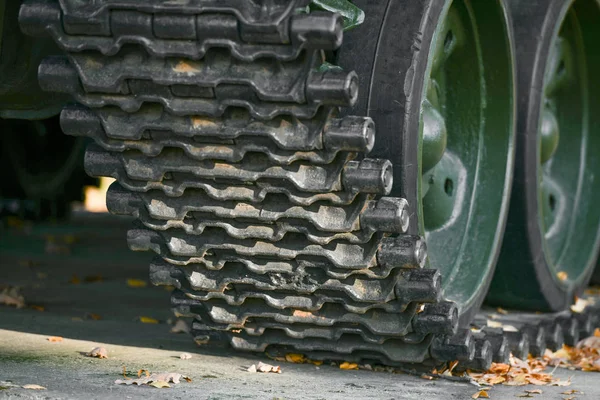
(46, 275)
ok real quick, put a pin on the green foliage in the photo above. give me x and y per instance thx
(353, 16)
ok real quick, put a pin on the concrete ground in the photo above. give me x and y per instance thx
(42, 261)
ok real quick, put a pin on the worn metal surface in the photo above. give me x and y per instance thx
(263, 191)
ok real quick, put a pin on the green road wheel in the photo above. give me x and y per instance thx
(553, 232)
(438, 80)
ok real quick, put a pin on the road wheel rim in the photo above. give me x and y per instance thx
(468, 110)
(567, 147)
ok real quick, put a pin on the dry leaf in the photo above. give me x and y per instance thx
(10, 296)
(75, 280)
(99, 352)
(185, 356)
(501, 310)
(494, 324)
(37, 308)
(579, 306)
(562, 275)
(348, 365)
(143, 371)
(148, 320)
(93, 316)
(55, 339)
(136, 283)
(262, 367)
(168, 377)
(524, 395)
(160, 384)
(481, 394)
(295, 358)
(180, 327)
(33, 387)
(572, 391)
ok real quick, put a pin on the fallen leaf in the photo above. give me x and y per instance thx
(93, 316)
(572, 391)
(75, 280)
(33, 387)
(524, 395)
(562, 275)
(168, 377)
(136, 283)
(36, 308)
(481, 394)
(180, 327)
(262, 367)
(579, 306)
(10, 296)
(160, 384)
(143, 371)
(148, 320)
(55, 339)
(348, 365)
(41, 275)
(295, 358)
(78, 319)
(494, 324)
(534, 391)
(99, 352)
(501, 310)
(185, 356)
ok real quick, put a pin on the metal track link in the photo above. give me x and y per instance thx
(219, 122)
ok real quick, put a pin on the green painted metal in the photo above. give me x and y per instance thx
(467, 145)
(566, 181)
(353, 16)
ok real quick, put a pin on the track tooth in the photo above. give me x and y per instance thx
(437, 318)
(586, 323)
(499, 342)
(519, 343)
(459, 346)
(570, 329)
(420, 286)
(406, 251)
(537, 339)
(554, 335)
(482, 356)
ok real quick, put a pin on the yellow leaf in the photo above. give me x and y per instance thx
(501, 310)
(160, 384)
(597, 332)
(481, 394)
(562, 275)
(316, 362)
(55, 339)
(148, 320)
(295, 358)
(348, 365)
(141, 371)
(136, 283)
(75, 280)
(37, 308)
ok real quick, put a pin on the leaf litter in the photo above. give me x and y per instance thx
(263, 367)
(98, 352)
(158, 380)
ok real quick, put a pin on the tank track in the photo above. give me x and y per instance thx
(219, 120)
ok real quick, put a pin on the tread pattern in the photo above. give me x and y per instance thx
(219, 122)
